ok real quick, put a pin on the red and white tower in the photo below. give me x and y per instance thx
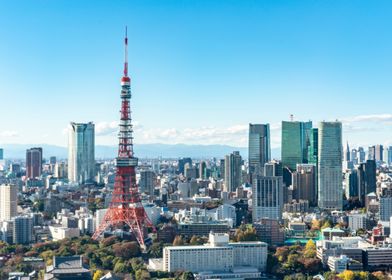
(126, 209)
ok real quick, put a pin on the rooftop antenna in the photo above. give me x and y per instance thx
(126, 53)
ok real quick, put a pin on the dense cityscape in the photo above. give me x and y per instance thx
(324, 210)
(321, 209)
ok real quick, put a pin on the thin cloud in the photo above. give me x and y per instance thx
(9, 133)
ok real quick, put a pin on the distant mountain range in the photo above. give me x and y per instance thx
(18, 151)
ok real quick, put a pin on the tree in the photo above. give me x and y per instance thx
(178, 241)
(246, 234)
(98, 274)
(379, 275)
(120, 267)
(347, 275)
(310, 249)
(142, 274)
(126, 250)
(316, 225)
(326, 224)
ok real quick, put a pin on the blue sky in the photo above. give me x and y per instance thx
(201, 70)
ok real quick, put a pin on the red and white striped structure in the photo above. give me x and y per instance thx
(126, 209)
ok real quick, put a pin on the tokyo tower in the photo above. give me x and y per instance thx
(126, 209)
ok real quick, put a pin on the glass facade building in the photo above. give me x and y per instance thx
(81, 153)
(330, 192)
(259, 147)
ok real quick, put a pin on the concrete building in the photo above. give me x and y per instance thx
(385, 208)
(357, 221)
(8, 201)
(22, 230)
(304, 183)
(81, 152)
(330, 192)
(147, 181)
(33, 163)
(267, 198)
(217, 255)
(233, 171)
(270, 231)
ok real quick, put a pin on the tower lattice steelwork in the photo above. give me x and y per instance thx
(126, 209)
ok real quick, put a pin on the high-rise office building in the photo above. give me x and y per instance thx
(147, 181)
(233, 171)
(8, 201)
(304, 183)
(33, 163)
(388, 155)
(347, 153)
(379, 152)
(385, 208)
(259, 147)
(203, 170)
(1, 154)
(351, 184)
(330, 192)
(81, 153)
(361, 154)
(22, 230)
(295, 146)
(372, 153)
(181, 164)
(267, 197)
(273, 168)
(366, 179)
(313, 147)
(295, 142)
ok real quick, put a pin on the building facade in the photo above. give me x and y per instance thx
(330, 192)
(233, 171)
(81, 152)
(267, 197)
(33, 163)
(8, 201)
(259, 147)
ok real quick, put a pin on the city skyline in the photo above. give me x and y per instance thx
(308, 59)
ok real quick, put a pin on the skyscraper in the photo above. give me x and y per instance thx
(388, 158)
(8, 201)
(379, 152)
(372, 153)
(361, 154)
(366, 179)
(181, 164)
(313, 146)
(81, 152)
(267, 197)
(259, 147)
(233, 172)
(304, 183)
(1, 154)
(330, 192)
(33, 163)
(295, 146)
(146, 182)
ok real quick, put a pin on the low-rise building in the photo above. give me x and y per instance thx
(218, 255)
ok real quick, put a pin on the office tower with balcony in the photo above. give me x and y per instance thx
(8, 201)
(330, 192)
(233, 171)
(33, 163)
(81, 153)
(259, 147)
(267, 197)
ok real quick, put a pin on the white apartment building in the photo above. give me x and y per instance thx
(217, 255)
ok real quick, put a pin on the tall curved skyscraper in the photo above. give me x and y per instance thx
(81, 153)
